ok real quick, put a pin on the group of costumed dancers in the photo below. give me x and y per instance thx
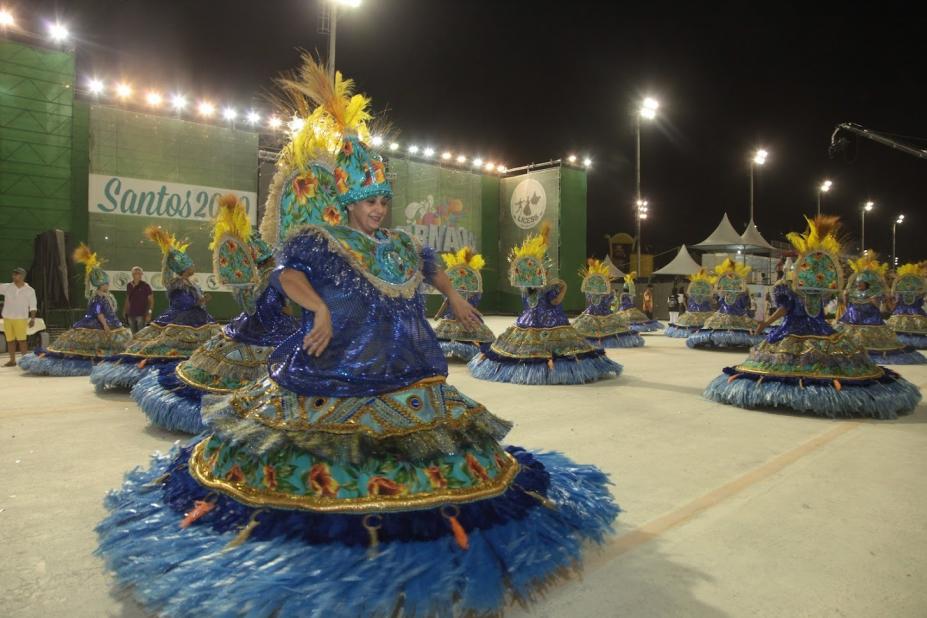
(334, 471)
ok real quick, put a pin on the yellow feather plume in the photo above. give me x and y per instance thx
(911, 269)
(83, 255)
(467, 256)
(165, 240)
(730, 266)
(703, 275)
(868, 262)
(594, 267)
(232, 219)
(630, 277)
(821, 234)
(535, 245)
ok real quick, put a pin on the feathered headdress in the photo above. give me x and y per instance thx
(630, 277)
(594, 266)
(821, 234)
(912, 269)
(232, 219)
(703, 275)
(465, 256)
(174, 252)
(868, 262)
(729, 266)
(94, 276)
(533, 246)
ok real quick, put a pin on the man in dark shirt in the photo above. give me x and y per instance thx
(139, 301)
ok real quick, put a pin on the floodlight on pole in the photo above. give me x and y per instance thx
(897, 222)
(759, 158)
(867, 207)
(6, 19)
(824, 187)
(335, 4)
(95, 86)
(648, 111)
(178, 102)
(58, 32)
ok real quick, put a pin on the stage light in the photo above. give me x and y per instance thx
(490, 166)
(587, 162)
(154, 99)
(6, 19)
(413, 149)
(394, 146)
(428, 152)
(229, 114)
(501, 169)
(95, 86)
(869, 206)
(571, 158)
(461, 159)
(446, 156)
(58, 32)
(478, 162)
(253, 117)
(826, 185)
(178, 102)
(760, 157)
(206, 109)
(123, 90)
(274, 122)
(377, 140)
(296, 125)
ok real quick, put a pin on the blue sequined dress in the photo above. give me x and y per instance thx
(542, 347)
(638, 320)
(76, 350)
(691, 320)
(171, 396)
(909, 322)
(171, 337)
(603, 327)
(863, 323)
(354, 483)
(457, 340)
(806, 366)
(728, 327)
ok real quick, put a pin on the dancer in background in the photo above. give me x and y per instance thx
(804, 365)
(97, 335)
(729, 326)
(173, 335)
(171, 396)
(458, 340)
(640, 322)
(541, 347)
(598, 323)
(352, 480)
(698, 306)
(908, 319)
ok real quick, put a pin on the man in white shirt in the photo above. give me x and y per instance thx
(19, 309)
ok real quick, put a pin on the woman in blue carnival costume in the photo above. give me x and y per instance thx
(698, 306)
(542, 347)
(95, 336)
(171, 396)
(804, 365)
(458, 340)
(598, 323)
(353, 480)
(908, 319)
(862, 321)
(638, 320)
(173, 335)
(729, 326)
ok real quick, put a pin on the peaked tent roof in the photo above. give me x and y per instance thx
(682, 264)
(614, 271)
(753, 241)
(724, 237)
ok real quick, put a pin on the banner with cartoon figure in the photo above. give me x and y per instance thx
(439, 206)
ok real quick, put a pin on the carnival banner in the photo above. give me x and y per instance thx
(528, 201)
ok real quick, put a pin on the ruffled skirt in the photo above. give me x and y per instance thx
(458, 341)
(75, 351)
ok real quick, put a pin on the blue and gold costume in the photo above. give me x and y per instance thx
(625, 306)
(698, 306)
(76, 350)
(908, 319)
(804, 365)
(598, 323)
(356, 482)
(173, 335)
(729, 326)
(862, 322)
(458, 340)
(171, 396)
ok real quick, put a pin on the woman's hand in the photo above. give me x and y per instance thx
(321, 334)
(464, 311)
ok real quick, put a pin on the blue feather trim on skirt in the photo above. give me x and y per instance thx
(907, 356)
(174, 409)
(566, 370)
(624, 340)
(706, 338)
(55, 364)
(915, 341)
(456, 350)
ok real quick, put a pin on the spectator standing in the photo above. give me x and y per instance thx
(647, 304)
(19, 309)
(139, 301)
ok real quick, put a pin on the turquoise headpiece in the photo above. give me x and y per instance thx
(260, 250)
(98, 277)
(359, 173)
(178, 261)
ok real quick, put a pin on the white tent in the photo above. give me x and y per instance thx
(614, 271)
(682, 264)
(724, 238)
(753, 241)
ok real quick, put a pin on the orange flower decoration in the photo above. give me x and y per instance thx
(230, 245)
(347, 148)
(379, 172)
(382, 486)
(304, 187)
(270, 477)
(475, 469)
(223, 261)
(435, 477)
(341, 180)
(235, 475)
(331, 215)
(322, 482)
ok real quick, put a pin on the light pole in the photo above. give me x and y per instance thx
(334, 28)
(648, 111)
(900, 219)
(641, 210)
(759, 158)
(824, 188)
(867, 207)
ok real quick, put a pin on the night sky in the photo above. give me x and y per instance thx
(525, 82)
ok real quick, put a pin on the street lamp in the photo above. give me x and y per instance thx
(898, 221)
(641, 210)
(759, 158)
(824, 188)
(334, 27)
(867, 207)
